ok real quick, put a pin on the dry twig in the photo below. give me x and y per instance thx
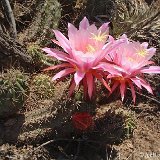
(10, 17)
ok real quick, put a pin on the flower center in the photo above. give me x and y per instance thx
(100, 37)
(90, 48)
(131, 59)
(142, 53)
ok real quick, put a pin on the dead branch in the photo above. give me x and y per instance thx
(9, 47)
(8, 13)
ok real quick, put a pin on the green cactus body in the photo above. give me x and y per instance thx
(38, 57)
(47, 17)
(42, 86)
(13, 84)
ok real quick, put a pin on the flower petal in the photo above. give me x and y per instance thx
(111, 68)
(104, 28)
(85, 88)
(57, 66)
(89, 78)
(56, 42)
(122, 89)
(145, 45)
(152, 50)
(100, 78)
(146, 85)
(78, 76)
(133, 91)
(63, 41)
(56, 53)
(151, 69)
(71, 30)
(72, 87)
(115, 85)
(137, 82)
(84, 24)
(63, 73)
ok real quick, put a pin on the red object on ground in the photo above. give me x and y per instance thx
(82, 121)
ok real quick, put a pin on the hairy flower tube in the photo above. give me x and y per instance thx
(132, 59)
(84, 49)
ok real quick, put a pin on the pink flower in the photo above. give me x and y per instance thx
(84, 49)
(131, 59)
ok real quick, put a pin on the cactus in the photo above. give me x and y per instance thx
(42, 114)
(47, 16)
(13, 84)
(38, 57)
(137, 20)
(42, 86)
(129, 126)
(41, 89)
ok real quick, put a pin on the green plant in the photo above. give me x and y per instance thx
(129, 126)
(42, 87)
(38, 56)
(13, 84)
(136, 19)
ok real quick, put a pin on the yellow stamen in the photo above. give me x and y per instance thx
(100, 37)
(90, 48)
(142, 53)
